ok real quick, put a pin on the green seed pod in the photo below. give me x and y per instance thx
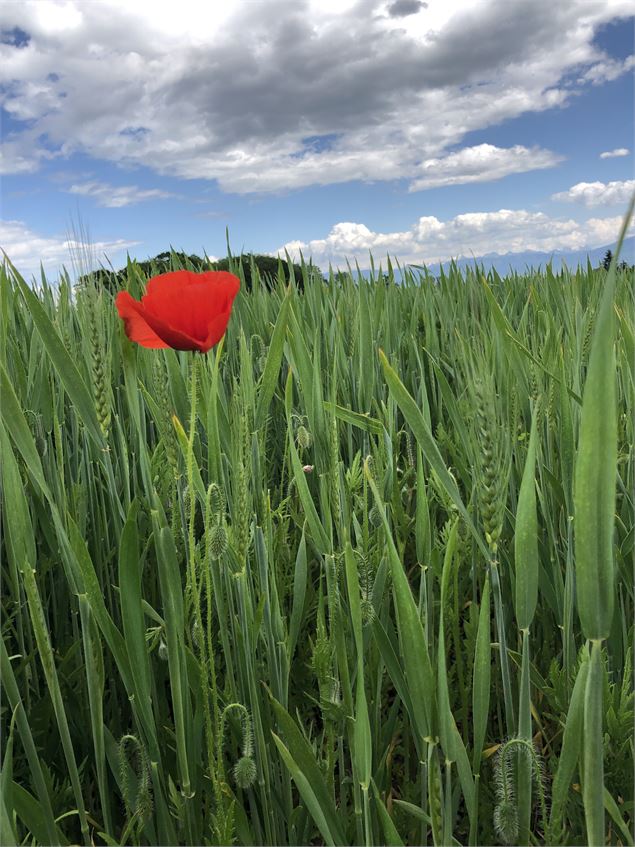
(304, 438)
(588, 334)
(216, 499)
(410, 449)
(321, 660)
(368, 611)
(258, 346)
(100, 366)
(218, 541)
(506, 821)
(68, 343)
(506, 809)
(434, 795)
(352, 337)
(241, 526)
(551, 406)
(195, 633)
(133, 757)
(245, 772)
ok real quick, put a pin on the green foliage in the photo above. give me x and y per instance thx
(620, 266)
(253, 268)
(322, 589)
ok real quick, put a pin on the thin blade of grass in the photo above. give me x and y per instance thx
(301, 760)
(526, 556)
(430, 450)
(418, 670)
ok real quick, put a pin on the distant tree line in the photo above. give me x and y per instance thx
(267, 268)
(608, 258)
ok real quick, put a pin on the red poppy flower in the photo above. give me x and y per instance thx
(182, 310)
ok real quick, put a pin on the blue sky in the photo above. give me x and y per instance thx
(336, 127)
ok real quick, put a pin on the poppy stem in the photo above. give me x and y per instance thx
(201, 645)
(192, 593)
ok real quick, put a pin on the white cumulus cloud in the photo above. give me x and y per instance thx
(27, 249)
(481, 163)
(598, 193)
(615, 154)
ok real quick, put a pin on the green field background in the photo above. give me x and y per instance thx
(363, 574)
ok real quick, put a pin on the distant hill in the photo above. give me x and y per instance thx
(267, 267)
(504, 263)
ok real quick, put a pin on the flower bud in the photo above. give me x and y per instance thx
(245, 772)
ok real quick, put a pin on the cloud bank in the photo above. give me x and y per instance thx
(430, 240)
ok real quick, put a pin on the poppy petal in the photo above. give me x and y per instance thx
(216, 329)
(189, 302)
(182, 310)
(135, 324)
(175, 338)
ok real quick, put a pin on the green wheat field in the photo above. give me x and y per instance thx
(363, 574)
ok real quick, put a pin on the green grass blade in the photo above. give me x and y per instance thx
(45, 650)
(172, 595)
(66, 368)
(49, 831)
(269, 378)
(302, 759)
(613, 809)
(526, 538)
(362, 751)
(430, 450)
(318, 533)
(307, 792)
(95, 679)
(18, 429)
(299, 596)
(569, 754)
(596, 477)
(391, 836)
(30, 813)
(418, 670)
(481, 676)
(362, 421)
(8, 833)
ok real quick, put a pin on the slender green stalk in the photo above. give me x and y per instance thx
(45, 651)
(593, 751)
